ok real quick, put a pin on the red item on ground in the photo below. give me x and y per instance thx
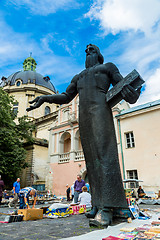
(112, 238)
(78, 209)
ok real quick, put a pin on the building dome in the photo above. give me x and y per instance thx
(29, 75)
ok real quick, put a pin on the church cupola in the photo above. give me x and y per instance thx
(29, 75)
(29, 64)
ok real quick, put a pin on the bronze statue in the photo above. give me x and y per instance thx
(97, 132)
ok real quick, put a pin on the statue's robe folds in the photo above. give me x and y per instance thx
(98, 134)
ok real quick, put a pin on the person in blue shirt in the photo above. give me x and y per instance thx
(24, 195)
(16, 189)
(87, 185)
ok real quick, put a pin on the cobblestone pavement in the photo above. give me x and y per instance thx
(48, 228)
(45, 228)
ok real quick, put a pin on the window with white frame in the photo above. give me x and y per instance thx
(132, 174)
(15, 109)
(47, 110)
(130, 143)
(65, 114)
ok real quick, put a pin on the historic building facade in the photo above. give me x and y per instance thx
(65, 151)
(140, 138)
(25, 86)
(56, 157)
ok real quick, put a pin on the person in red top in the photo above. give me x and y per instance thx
(1, 189)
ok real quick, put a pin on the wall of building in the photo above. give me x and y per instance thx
(145, 156)
(27, 92)
(40, 166)
(63, 174)
(65, 151)
(25, 176)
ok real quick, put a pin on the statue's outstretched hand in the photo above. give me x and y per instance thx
(38, 102)
(129, 94)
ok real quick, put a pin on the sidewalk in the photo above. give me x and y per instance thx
(111, 230)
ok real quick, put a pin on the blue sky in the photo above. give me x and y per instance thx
(57, 32)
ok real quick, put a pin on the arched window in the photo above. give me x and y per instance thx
(65, 114)
(15, 109)
(47, 110)
(65, 142)
(78, 146)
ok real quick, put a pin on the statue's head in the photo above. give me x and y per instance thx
(93, 55)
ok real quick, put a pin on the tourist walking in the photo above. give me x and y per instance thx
(16, 189)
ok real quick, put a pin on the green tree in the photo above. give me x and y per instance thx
(12, 138)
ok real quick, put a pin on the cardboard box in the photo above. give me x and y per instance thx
(31, 214)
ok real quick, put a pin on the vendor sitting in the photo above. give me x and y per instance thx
(6, 195)
(24, 197)
(85, 197)
(141, 193)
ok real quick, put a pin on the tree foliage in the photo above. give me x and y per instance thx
(12, 138)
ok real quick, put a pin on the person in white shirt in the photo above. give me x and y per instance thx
(85, 198)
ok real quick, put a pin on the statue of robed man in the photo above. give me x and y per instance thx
(97, 131)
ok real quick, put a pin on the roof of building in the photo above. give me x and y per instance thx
(140, 107)
(29, 75)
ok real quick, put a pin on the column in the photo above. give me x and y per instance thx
(72, 153)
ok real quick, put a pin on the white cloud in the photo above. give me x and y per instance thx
(138, 24)
(152, 89)
(123, 15)
(44, 7)
(141, 52)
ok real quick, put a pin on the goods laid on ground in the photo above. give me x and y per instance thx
(111, 238)
(150, 230)
(42, 197)
(10, 217)
(63, 210)
(77, 209)
(57, 210)
(147, 231)
(131, 213)
(128, 192)
(22, 214)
